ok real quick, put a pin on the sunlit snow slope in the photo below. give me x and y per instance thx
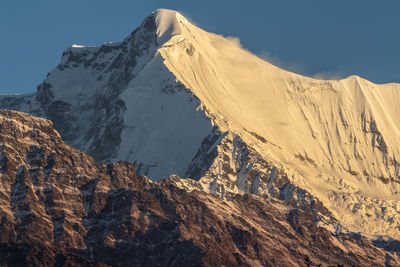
(339, 139)
(175, 99)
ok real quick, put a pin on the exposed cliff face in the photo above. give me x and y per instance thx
(59, 207)
(176, 100)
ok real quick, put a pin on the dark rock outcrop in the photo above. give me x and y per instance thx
(60, 208)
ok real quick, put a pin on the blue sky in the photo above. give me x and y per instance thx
(312, 37)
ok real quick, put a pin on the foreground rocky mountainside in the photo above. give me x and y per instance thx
(59, 207)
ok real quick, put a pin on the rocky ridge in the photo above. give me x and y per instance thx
(59, 207)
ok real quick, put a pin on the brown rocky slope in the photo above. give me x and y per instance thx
(60, 208)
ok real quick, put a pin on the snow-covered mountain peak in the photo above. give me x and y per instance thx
(169, 23)
(155, 30)
(175, 99)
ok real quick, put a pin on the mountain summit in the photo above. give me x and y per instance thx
(177, 100)
(169, 23)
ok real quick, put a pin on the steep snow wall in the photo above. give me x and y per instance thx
(338, 139)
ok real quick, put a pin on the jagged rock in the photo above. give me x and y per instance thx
(60, 208)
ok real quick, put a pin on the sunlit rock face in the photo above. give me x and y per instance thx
(176, 100)
(60, 208)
